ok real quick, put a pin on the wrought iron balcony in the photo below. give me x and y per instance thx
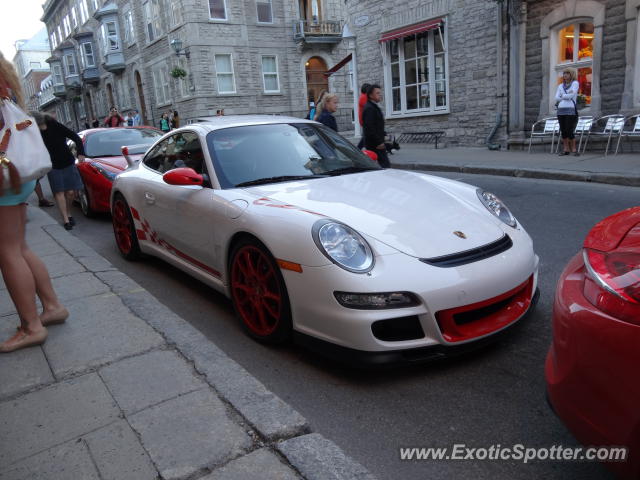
(317, 31)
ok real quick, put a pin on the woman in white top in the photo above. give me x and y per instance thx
(566, 96)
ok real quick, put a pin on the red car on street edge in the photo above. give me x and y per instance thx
(104, 160)
(592, 368)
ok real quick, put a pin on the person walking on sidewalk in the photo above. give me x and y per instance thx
(64, 178)
(373, 125)
(23, 272)
(328, 106)
(566, 96)
(362, 101)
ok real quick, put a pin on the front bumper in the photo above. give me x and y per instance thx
(411, 356)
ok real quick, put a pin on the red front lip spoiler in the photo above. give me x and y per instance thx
(478, 319)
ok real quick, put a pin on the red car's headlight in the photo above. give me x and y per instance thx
(613, 283)
(108, 174)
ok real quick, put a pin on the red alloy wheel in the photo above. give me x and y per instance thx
(124, 230)
(258, 293)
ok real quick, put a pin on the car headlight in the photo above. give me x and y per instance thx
(495, 206)
(343, 246)
(108, 174)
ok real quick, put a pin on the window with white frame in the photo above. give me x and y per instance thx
(67, 113)
(154, 26)
(87, 53)
(129, 31)
(70, 64)
(160, 74)
(84, 11)
(74, 17)
(60, 37)
(217, 10)
(96, 4)
(575, 44)
(175, 13)
(57, 74)
(66, 25)
(416, 76)
(52, 40)
(265, 14)
(224, 73)
(270, 74)
(110, 40)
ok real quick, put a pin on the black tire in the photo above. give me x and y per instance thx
(258, 293)
(85, 203)
(124, 229)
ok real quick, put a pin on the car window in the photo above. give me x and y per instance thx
(158, 158)
(188, 152)
(254, 152)
(108, 143)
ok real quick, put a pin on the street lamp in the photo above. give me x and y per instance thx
(350, 39)
(176, 44)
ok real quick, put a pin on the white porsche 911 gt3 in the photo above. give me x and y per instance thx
(310, 238)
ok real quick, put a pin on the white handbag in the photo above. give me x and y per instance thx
(23, 155)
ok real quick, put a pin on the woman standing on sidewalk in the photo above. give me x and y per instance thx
(566, 96)
(23, 272)
(64, 178)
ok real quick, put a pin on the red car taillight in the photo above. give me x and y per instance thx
(613, 283)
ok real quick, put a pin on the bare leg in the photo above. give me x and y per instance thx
(565, 144)
(42, 201)
(19, 280)
(52, 310)
(61, 203)
(69, 195)
(573, 145)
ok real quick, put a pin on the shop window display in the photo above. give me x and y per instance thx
(575, 42)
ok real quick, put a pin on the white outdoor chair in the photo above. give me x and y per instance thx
(633, 122)
(547, 127)
(583, 128)
(607, 126)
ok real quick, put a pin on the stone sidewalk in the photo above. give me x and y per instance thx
(126, 389)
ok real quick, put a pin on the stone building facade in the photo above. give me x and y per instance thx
(193, 56)
(30, 62)
(483, 71)
(442, 64)
(599, 38)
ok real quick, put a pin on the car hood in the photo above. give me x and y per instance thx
(408, 211)
(116, 162)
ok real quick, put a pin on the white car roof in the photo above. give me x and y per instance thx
(226, 121)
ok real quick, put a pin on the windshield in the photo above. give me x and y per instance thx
(107, 143)
(279, 152)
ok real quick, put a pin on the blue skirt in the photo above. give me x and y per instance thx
(10, 198)
(64, 179)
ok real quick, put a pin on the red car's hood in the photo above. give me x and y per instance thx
(116, 162)
(607, 234)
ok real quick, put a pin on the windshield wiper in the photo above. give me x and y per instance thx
(351, 169)
(281, 178)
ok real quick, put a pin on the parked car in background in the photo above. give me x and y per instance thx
(104, 160)
(592, 366)
(312, 239)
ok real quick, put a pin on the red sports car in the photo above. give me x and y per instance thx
(592, 367)
(104, 161)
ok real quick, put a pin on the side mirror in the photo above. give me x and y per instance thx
(182, 176)
(371, 154)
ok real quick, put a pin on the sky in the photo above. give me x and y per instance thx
(22, 23)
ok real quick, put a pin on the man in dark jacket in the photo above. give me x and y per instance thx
(373, 125)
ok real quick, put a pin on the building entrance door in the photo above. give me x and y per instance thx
(143, 105)
(317, 82)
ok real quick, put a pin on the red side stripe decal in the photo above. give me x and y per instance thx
(135, 213)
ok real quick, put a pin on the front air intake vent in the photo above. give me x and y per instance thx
(470, 256)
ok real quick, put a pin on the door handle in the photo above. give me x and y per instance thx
(149, 198)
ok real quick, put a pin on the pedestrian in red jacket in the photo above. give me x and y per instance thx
(114, 119)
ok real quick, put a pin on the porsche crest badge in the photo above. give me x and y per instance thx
(460, 234)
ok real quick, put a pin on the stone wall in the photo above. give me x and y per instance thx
(473, 96)
(612, 69)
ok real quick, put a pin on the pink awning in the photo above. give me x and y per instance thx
(411, 29)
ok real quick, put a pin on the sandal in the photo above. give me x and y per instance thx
(54, 318)
(23, 339)
(45, 203)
